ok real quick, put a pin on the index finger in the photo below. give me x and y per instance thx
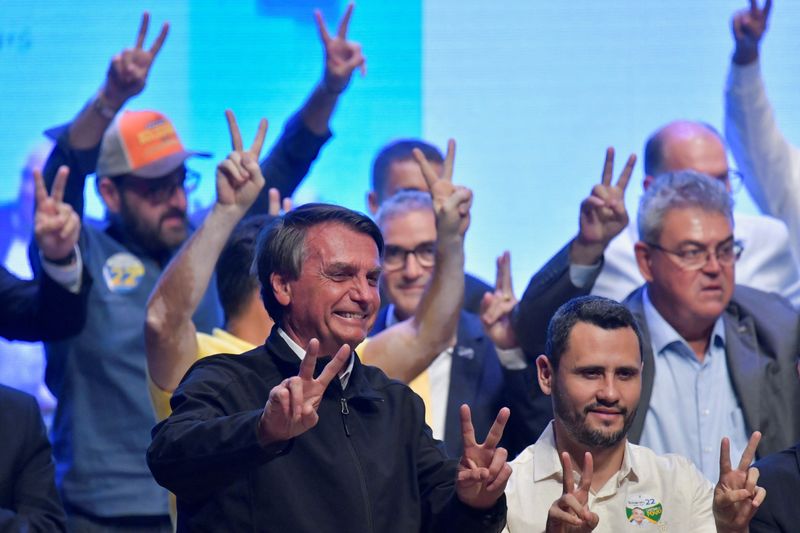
(342, 33)
(467, 430)
(567, 478)
(504, 271)
(274, 196)
(40, 189)
(255, 148)
(159, 42)
(767, 7)
(449, 160)
(608, 167)
(424, 165)
(724, 456)
(323, 31)
(626, 172)
(233, 127)
(60, 183)
(750, 452)
(587, 472)
(335, 365)
(496, 431)
(309, 361)
(142, 29)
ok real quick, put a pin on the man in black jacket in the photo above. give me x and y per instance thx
(270, 441)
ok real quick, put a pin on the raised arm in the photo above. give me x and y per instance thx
(404, 350)
(170, 334)
(77, 146)
(602, 217)
(308, 130)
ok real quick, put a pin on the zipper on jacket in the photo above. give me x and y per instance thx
(357, 462)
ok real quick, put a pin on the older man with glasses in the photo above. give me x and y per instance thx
(718, 357)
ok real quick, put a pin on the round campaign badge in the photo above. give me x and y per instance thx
(123, 272)
(642, 510)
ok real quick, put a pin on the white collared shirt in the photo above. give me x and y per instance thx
(673, 494)
(344, 375)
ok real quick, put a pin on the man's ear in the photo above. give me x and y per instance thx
(643, 260)
(546, 374)
(281, 289)
(648, 180)
(372, 202)
(110, 193)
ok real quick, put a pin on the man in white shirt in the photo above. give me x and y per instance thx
(593, 372)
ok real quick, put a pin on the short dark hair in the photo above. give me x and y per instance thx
(400, 150)
(236, 279)
(596, 310)
(654, 149)
(281, 245)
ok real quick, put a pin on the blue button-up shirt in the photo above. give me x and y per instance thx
(693, 404)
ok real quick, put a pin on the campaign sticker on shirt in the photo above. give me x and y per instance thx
(123, 272)
(643, 510)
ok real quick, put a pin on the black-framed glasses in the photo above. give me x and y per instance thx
(395, 257)
(160, 190)
(734, 180)
(696, 257)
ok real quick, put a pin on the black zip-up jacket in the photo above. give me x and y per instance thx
(370, 465)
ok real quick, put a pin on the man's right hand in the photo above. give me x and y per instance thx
(570, 513)
(603, 215)
(128, 71)
(749, 26)
(239, 178)
(56, 225)
(291, 409)
(451, 203)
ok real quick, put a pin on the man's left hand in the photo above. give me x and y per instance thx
(56, 225)
(496, 307)
(342, 57)
(736, 496)
(483, 470)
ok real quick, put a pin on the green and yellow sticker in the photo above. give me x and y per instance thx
(642, 510)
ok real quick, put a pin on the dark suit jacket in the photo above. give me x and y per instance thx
(28, 497)
(479, 380)
(40, 309)
(762, 333)
(780, 475)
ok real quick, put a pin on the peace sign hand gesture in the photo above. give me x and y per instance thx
(603, 215)
(749, 26)
(496, 307)
(56, 225)
(451, 203)
(291, 409)
(570, 513)
(736, 496)
(483, 470)
(128, 71)
(239, 178)
(342, 57)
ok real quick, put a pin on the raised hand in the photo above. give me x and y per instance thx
(496, 307)
(291, 409)
(749, 26)
(276, 207)
(342, 57)
(570, 513)
(128, 71)
(736, 496)
(56, 226)
(483, 470)
(603, 215)
(451, 203)
(239, 178)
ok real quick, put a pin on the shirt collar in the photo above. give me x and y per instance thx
(344, 375)
(391, 318)
(662, 334)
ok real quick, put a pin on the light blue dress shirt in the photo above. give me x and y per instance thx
(693, 404)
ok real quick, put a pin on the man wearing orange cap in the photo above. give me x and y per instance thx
(102, 425)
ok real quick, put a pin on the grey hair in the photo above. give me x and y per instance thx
(676, 190)
(403, 202)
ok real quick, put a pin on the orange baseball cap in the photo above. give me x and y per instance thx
(142, 143)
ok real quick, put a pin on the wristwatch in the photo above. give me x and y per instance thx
(105, 110)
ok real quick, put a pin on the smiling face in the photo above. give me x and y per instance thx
(596, 386)
(335, 299)
(689, 299)
(408, 231)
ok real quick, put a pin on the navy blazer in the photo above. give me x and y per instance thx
(479, 380)
(28, 497)
(780, 475)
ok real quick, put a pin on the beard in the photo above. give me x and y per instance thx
(154, 239)
(575, 423)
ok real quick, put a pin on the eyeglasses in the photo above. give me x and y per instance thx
(394, 257)
(697, 257)
(160, 190)
(733, 178)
